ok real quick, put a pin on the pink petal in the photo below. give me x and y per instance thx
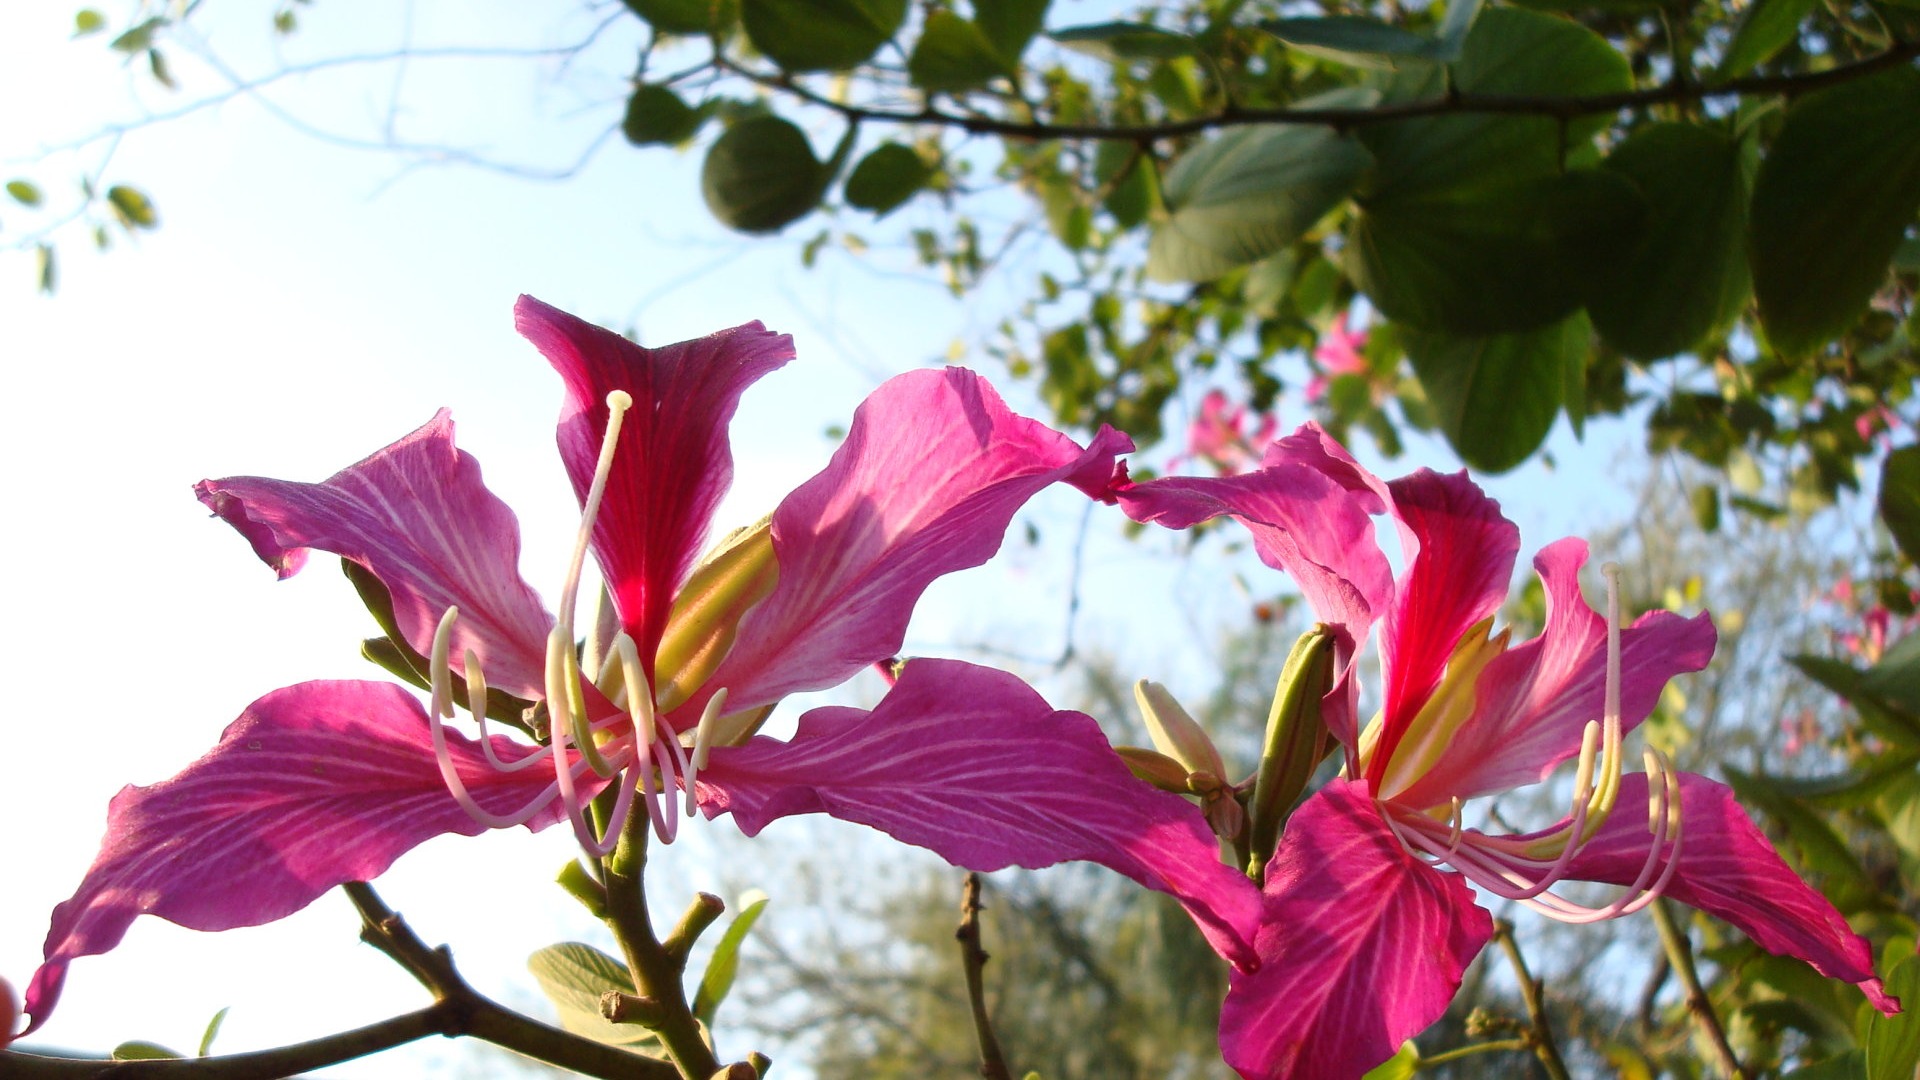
(1729, 870)
(1532, 702)
(418, 516)
(933, 469)
(971, 763)
(314, 785)
(1305, 523)
(1459, 561)
(673, 464)
(1361, 948)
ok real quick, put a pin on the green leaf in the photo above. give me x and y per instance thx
(821, 35)
(1765, 28)
(1357, 40)
(1895, 680)
(1492, 260)
(1900, 499)
(162, 74)
(760, 175)
(1885, 716)
(886, 177)
(24, 192)
(657, 116)
(46, 272)
(132, 207)
(212, 1032)
(1400, 1066)
(1835, 193)
(574, 977)
(725, 964)
(679, 16)
(1138, 192)
(1851, 1065)
(1821, 849)
(140, 38)
(1687, 274)
(88, 21)
(1495, 397)
(139, 1050)
(1706, 507)
(1115, 41)
(1247, 193)
(1893, 1042)
(1010, 25)
(953, 55)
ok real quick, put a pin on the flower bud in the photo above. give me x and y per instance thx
(1174, 733)
(1297, 740)
(706, 615)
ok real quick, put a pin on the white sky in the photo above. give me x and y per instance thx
(303, 305)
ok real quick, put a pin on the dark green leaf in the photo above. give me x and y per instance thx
(1010, 25)
(725, 964)
(1900, 499)
(1492, 260)
(132, 207)
(1688, 273)
(1765, 28)
(157, 63)
(1136, 193)
(1851, 1065)
(139, 1050)
(679, 16)
(88, 21)
(1836, 192)
(1822, 849)
(953, 55)
(212, 1032)
(1455, 27)
(1611, 7)
(887, 177)
(1247, 193)
(820, 35)
(1706, 507)
(760, 176)
(1886, 717)
(575, 977)
(24, 192)
(1126, 41)
(1893, 1042)
(140, 38)
(657, 116)
(1895, 680)
(1356, 40)
(1495, 397)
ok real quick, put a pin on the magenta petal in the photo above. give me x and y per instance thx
(314, 785)
(673, 464)
(1361, 948)
(1532, 702)
(1729, 870)
(933, 469)
(971, 763)
(419, 517)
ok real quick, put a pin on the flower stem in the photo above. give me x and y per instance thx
(1458, 1052)
(1680, 954)
(656, 969)
(993, 1064)
(1540, 1036)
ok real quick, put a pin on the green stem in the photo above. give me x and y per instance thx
(1458, 1052)
(656, 970)
(993, 1063)
(1680, 955)
(1540, 1036)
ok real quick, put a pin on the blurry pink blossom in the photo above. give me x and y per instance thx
(1219, 436)
(1338, 353)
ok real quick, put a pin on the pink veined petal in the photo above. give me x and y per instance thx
(673, 463)
(419, 517)
(1459, 562)
(1362, 947)
(932, 471)
(971, 763)
(1304, 523)
(1311, 446)
(1533, 701)
(314, 785)
(1729, 870)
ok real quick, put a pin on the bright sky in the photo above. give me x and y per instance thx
(303, 305)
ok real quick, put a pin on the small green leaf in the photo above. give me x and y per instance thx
(1834, 196)
(212, 1032)
(1706, 507)
(132, 207)
(1893, 1042)
(285, 21)
(1765, 28)
(1900, 499)
(679, 16)
(1400, 1066)
(139, 1050)
(725, 964)
(657, 117)
(24, 192)
(45, 272)
(1245, 194)
(886, 177)
(574, 977)
(140, 38)
(820, 35)
(1356, 40)
(1688, 272)
(88, 21)
(1010, 25)
(1496, 397)
(1115, 41)
(1137, 192)
(761, 176)
(162, 74)
(953, 55)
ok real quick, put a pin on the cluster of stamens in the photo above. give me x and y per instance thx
(1525, 869)
(628, 743)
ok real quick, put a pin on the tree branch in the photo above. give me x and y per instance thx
(1540, 1035)
(993, 1064)
(1680, 953)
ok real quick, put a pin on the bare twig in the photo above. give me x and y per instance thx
(993, 1064)
(1680, 952)
(1540, 1035)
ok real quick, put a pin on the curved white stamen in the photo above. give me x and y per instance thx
(1456, 826)
(477, 691)
(702, 742)
(441, 666)
(558, 667)
(664, 810)
(618, 402)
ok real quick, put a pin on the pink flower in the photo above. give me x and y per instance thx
(1370, 917)
(1218, 436)
(1337, 353)
(326, 782)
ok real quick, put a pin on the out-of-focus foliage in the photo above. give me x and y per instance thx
(1546, 208)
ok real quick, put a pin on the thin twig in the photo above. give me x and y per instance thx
(993, 1064)
(1541, 1033)
(1680, 952)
